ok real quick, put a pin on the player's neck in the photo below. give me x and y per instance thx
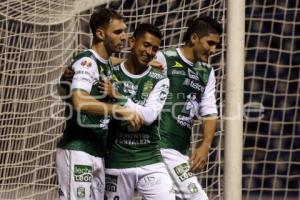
(187, 52)
(101, 50)
(133, 67)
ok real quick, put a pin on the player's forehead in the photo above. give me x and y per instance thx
(215, 37)
(149, 38)
(116, 24)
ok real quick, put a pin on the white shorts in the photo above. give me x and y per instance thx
(80, 175)
(186, 183)
(151, 181)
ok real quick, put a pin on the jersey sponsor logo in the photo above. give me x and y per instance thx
(132, 138)
(155, 75)
(191, 106)
(82, 173)
(178, 72)
(193, 84)
(177, 65)
(103, 123)
(192, 188)
(150, 181)
(86, 63)
(111, 183)
(129, 88)
(164, 92)
(183, 172)
(193, 75)
(184, 121)
(80, 192)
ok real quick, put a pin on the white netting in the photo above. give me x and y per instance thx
(271, 165)
(38, 38)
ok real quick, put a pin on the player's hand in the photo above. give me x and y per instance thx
(68, 75)
(156, 64)
(132, 117)
(198, 157)
(107, 88)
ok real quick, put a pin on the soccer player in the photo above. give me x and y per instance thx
(192, 95)
(79, 156)
(133, 159)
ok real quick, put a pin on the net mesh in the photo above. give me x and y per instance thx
(38, 38)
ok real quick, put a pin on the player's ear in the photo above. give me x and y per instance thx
(131, 41)
(100, 34)
(194, 37)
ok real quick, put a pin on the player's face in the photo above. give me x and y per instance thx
(144, 48)
(115, 36)
(205, 46)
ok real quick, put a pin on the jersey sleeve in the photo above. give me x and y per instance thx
(161, 58)
(154, 103)
(85, 74)
(208, 101)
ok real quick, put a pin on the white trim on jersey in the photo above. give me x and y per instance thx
(98, 56)
(184, 58)
(154, 103)
(136, 76)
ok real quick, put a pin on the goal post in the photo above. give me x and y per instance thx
(234, 100)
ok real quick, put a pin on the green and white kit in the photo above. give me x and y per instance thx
(192, 95)
(83, 144)
(134, 156)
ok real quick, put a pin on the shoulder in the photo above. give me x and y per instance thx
(156, 74)
(170, 52)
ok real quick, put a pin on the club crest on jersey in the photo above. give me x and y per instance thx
(86, 63)
(80, 192)
(147, 89)
(192, 188)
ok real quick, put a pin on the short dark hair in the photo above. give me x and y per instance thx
(147, 28)
(102, 17)
(202, 26)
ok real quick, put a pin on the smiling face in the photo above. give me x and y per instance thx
(115, 36)
(144, 48)
(204, 47)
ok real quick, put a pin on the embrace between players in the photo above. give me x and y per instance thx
(131, 123)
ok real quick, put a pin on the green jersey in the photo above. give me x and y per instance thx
(85, 132)
(146, 94)
(191, 95)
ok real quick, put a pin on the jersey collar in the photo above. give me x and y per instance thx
(184, 58)
(123, 68)
(98, 56)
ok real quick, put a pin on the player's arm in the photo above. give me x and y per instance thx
(86, 73)
(209, 117)
(160, 62)
(154, 103)
(83, 102)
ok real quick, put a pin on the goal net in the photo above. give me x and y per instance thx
(38, 38)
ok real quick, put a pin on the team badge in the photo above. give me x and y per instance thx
(192, 188)
(80, 192)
